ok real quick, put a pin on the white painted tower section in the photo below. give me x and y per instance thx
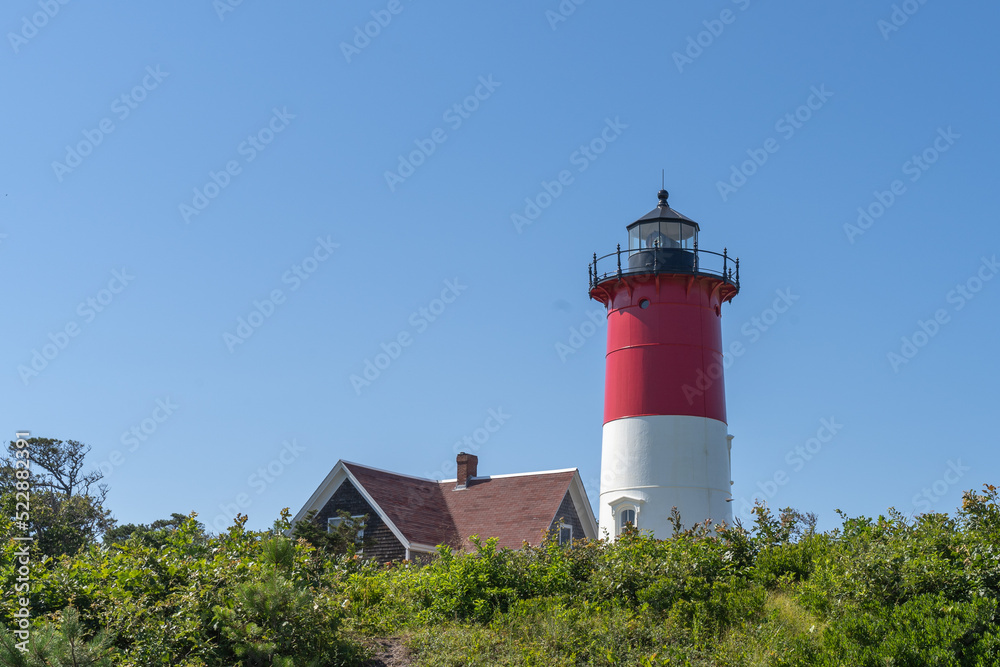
(651, 464)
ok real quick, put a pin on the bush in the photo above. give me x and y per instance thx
(238, 597)
(881, 591)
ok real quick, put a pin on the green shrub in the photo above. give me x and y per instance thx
(60, 642)
(883, 591)
(239, 597)
(925, 630)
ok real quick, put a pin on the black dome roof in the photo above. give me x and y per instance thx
(664, 212)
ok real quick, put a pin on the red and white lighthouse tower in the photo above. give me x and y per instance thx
(666, 441)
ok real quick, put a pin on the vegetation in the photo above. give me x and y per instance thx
(875, 592)
(883, 591)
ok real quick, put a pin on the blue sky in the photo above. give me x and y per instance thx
(171, 170)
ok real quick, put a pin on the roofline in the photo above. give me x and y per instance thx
(326, 489)
(390, 472)
(382, 515)
(513, 474)
(317, 494)
(455, 479)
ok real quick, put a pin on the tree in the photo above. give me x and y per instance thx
(801, 524)
(64, 505)
(61, 466)
(61, 642)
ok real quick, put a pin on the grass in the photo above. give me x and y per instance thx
(560, 633)
(787, 634)
(552, 633)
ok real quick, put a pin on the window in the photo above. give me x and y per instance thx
(626, 517)
(335, 521)
(662, 234)
(565, 535)
(625, 511)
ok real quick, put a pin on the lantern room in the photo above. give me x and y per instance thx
(662, 240)
(663, 227)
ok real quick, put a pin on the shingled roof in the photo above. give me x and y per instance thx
(416, 506)
(424, 512)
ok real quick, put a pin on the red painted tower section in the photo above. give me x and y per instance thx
(666, 358)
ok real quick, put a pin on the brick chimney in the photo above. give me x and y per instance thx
(468, 465)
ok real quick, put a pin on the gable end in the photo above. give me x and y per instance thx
(568, 515)
(347, 498)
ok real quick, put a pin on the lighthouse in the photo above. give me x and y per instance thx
(666, 441)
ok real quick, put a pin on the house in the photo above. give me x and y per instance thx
(409, 516)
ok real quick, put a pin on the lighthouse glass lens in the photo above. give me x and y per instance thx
(644, 231)
(679, 233)
(651, 237)
(633, 238)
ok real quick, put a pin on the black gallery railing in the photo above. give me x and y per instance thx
(695, 262)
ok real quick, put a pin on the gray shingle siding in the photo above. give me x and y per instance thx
(567, 514)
